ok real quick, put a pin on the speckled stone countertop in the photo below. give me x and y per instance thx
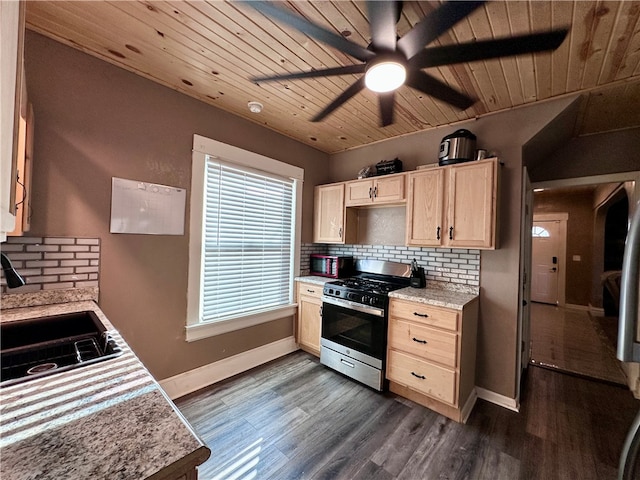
(108, 420)
(439, 295)
(314, 279)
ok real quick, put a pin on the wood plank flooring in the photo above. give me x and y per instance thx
(295, 419)
(572, 341)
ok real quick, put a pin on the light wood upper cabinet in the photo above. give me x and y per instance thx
(454, 206)
(24, 167)
(12, 20)
(309, 317)
(376, 190)
(331, 221)
(425, 207)
(472, 205)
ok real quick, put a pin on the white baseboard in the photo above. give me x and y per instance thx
(468, 406)
(500, 400)
(571, 306)
(201, 377)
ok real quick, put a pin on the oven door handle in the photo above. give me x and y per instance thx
(378, 312)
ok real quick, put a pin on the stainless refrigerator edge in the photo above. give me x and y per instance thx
(628, 346)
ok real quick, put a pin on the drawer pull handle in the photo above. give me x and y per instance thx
(421, 314)
(419, 341)
(421, 377)
(348, 364)
(311, 291)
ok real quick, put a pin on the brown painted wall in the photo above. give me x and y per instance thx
(598, 154)
(579, 205)
(95, 121)
(505, 133)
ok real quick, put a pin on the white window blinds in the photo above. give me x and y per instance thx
(248, 242)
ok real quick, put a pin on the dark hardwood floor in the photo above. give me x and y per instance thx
(293, 418)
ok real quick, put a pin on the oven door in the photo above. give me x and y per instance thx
(356, 330)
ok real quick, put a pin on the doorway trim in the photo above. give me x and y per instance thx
(632, 369)
(561, 217)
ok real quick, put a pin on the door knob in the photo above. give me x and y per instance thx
(554, 269)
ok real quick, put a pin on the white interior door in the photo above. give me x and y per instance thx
(545, 260)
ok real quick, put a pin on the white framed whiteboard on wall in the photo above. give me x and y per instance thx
(146, 208)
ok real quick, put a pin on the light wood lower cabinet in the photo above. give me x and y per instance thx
(431, 355)
(309, 322)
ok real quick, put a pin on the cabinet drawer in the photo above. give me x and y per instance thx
(424, 342)
(422, 376)
(425, 314)
(310, 290)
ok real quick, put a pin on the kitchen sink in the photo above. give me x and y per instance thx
(42, 346)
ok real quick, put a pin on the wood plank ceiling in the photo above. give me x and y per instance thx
(209, 50)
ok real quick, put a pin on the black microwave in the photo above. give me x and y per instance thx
(331, 266)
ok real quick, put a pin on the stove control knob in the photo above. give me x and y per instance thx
(372, 301)
(365, 299)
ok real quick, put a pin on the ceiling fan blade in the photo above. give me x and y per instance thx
(346, 70)
(313, 30)
(434, 25)
(486, 49)
(342, 98)
(387, 102)
(435, 88)
(382, 23)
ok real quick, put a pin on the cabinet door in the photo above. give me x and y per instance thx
(358, 193)
(471, 211)
(389, 189)
(329, 214)
(425, 208)
(309, 318)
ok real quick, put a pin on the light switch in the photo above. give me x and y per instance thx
(576, 258)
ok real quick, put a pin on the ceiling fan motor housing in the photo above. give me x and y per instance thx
(457, 147)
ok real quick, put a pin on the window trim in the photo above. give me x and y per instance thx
(203, 147)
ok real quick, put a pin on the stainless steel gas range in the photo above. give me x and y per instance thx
(354, 320)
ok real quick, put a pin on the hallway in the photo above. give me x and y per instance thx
(572, 341)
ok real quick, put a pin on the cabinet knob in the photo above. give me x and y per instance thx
(424, 342)
(375, 191)
(370, 192)
(424, 315)
(340, 232)
(438, 233)
(310, 291)
(421, 377)
(450, 233)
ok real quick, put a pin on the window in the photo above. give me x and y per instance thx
(539, 232)
(244, 239)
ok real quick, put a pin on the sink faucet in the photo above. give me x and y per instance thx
(14, 279)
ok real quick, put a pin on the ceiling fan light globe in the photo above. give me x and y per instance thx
(385, 77)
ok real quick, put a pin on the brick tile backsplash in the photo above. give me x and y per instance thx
(48, 263)
(452, 265)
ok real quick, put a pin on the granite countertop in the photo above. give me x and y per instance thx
(316, 279)
(106, 420)
(437, 295)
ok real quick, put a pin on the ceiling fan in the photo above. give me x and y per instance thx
(390, 62)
